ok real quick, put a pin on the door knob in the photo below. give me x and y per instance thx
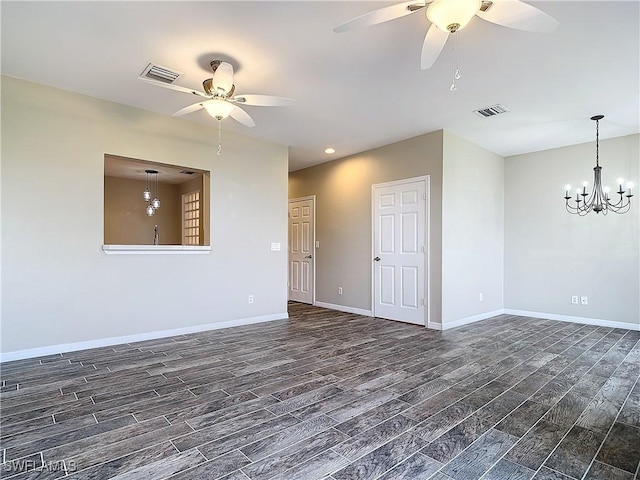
(377, 259)
(308, 256)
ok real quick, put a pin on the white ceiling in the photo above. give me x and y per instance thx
(356, 90)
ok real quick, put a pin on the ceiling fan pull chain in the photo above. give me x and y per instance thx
(219, 137)
(456, 71)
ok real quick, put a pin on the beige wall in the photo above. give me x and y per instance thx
(343, 215)
(472, 230)
(126, 221)
(60, 288)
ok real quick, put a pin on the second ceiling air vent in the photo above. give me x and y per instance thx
(491, 111)
(160, 74)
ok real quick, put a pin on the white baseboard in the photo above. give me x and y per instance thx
(471, 319)
(547, 316)
(568, 318)
(107, 342)
(342, 308)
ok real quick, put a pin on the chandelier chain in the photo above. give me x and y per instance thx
(597, 143)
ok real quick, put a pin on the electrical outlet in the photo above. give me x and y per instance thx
(574, 299)
(339, 290)
(250, 298)
(480, 297)
(584, 300)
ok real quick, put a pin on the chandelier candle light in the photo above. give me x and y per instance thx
(146, 195)
(598, 200)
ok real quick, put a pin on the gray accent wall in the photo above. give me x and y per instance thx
(59, 287)
(551, 255)
(343, 215)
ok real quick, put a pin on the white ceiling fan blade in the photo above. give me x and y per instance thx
(241, 116)
(519, 15)
(263, 100)
(188, 109)
(223, 77)
(174, 87)
(433, 44)
(381, 15)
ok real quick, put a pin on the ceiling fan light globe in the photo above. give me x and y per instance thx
(452, 15)
(222, 79)
(218, 108)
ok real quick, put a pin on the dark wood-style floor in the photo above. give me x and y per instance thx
(333, 395)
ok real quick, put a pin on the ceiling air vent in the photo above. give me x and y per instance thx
(491, 111)
(187, 172)
(160, 74)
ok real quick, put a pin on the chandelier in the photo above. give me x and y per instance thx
(146, 195)
(598, 200)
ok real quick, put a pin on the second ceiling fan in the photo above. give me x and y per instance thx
(449, 16)
(218, 97)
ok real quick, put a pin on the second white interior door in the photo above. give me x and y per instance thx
(301, 250)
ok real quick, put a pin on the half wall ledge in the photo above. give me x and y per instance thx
(156, 249)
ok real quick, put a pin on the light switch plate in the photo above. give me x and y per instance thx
(275, 247)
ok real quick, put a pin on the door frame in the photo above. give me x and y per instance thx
(313, 204)
(427, 234)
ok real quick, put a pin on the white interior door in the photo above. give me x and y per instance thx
(301, 249)
(400, 250)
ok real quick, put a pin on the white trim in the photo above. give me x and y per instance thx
(471, 319)
(343, 308)
(427, 241)
(547, 316)
(400, 182)
(107, 342)
(435, 325)
(568, 318)
(156, 249)
(299, 199)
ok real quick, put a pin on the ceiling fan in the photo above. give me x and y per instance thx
(449, 16)
(218, 97)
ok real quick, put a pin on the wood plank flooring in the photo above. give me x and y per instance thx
(330, 395)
